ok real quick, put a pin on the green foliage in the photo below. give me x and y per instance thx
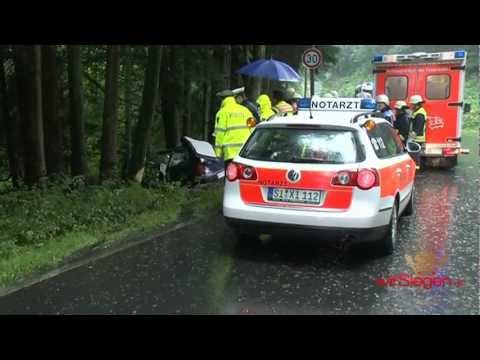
(35, 217)
(39, 228)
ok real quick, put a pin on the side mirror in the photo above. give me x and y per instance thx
(413, 147)
(467, 108)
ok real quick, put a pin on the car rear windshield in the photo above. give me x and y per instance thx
(303, 145)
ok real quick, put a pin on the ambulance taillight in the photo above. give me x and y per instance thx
(240, 172)
(364, 179)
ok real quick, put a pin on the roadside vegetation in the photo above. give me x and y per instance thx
(40, 228)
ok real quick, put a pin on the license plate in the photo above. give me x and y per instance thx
(221, 174)
(294, 196)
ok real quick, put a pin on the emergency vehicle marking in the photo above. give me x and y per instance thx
(435, 122)
(335, 105)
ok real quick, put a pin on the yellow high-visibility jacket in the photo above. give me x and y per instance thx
(418, 127)
(284, 108)
(265, 105)
(231, 129)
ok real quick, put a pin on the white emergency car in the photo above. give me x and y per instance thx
(336, 167)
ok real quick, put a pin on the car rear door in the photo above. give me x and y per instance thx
(276, 178)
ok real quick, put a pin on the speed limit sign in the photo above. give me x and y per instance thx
(312, 58)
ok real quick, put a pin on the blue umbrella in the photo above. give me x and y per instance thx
(270, 69)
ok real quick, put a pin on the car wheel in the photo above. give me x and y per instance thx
(388, 242)
(411, 204)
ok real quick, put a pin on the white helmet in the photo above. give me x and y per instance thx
(383, 99)
(416, 99)
(364, 95)
(367, 87)
(400, 104)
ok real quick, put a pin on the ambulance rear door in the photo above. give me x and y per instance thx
(441, 86)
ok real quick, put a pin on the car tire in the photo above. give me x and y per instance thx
(411, 204)
(387, 244)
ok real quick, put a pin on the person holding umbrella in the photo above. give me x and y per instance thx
(277, 71)
(292, 98)
(281, 107)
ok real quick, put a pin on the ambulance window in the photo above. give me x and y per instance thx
(396, 87)
(438, 87)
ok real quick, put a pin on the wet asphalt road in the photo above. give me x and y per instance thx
(202, 270)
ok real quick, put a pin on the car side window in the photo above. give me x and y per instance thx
(388, 135)
(385, 141)
(378, 144)
(398, 141)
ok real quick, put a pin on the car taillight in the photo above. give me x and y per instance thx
(240, 172)
(232, 172)
(199, 169)
(345, 178)
(364, 178)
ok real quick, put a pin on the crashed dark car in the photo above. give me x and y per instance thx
(193, 162)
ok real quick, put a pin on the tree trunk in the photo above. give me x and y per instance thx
(222, 55)
(77, 124)
(127, 108)
(207, 97)
(109, 131)
(52, 123)
(238, 60)
(30, 59)
(142, 130)
(256, 83)
(207, 92)
(172, 79)
(187, 93)
(13, 127)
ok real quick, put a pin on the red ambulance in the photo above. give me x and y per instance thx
(439, 78)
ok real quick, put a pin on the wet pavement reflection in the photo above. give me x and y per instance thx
(202, 270)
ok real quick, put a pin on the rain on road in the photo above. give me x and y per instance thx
(200, 269)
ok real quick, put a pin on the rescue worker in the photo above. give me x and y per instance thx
(419, 119)
(402, 120)
(265, 106)
(383, 105)
(231, 129)
(292, 98)
(242, 99)
(364, 91)
(281, 107)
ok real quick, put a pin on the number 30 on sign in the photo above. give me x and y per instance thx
(312, 58)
